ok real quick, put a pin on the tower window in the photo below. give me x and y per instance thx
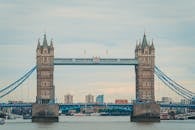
(45, 59)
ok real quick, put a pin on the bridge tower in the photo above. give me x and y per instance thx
(145, 54)
(45, 68)
(45, 109)
(145, 108)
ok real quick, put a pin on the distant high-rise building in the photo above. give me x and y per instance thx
(89, 98)
(121, 101)
(100, 99)
(166, 100)
(184, 101)
(68, 99)
(193, 100)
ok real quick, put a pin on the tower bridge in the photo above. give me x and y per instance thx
(144, 70)
(145, 108)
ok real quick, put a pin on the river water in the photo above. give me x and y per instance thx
(98, 123)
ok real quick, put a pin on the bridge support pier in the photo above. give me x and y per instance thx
(145, 112)
(45, 112)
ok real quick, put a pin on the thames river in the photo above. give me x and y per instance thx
(98, 123)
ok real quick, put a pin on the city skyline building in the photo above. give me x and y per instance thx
(89, 98)
(68, 99)
(100, 99)
(184, 101)
(166, 100)
(121, 101)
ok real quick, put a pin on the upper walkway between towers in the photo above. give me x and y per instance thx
(95, 61)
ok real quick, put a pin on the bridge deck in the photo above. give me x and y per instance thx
(95, 61)
(191, 106)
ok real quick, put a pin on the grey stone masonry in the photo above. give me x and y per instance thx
(45, 68)
(145, 54)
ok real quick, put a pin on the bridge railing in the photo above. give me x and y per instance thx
(173, 105)
(95, 61)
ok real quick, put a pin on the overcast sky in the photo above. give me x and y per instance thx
(105, 28)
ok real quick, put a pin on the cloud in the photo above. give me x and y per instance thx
(97, 27)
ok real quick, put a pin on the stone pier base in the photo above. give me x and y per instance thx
(145, 112)
(45, 112)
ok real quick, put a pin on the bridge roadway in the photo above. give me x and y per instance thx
(95, 61)
(2, 105)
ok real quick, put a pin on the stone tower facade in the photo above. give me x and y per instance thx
(45, 68)
(145, 54)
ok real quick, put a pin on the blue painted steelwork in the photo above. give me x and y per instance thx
(7, 87)
(10, 88)
(72, 106)
(192, 106)
(95, 61)
(173, 85)
(2, 105)
(82, 105)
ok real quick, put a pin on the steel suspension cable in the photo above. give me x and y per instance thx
(9, 86)
(21, 81)
(178, 85)
(168, 83)
(172, 88)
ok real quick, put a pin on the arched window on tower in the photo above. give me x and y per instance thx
(45, 59)
(45, 51)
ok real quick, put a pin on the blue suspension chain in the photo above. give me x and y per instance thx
(172, 84)
(19, 82)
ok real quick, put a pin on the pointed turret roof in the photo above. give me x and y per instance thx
(144, 41)
(152, 45)
(45, 41)
(38, 45)
(137, 44)
(51, 43)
